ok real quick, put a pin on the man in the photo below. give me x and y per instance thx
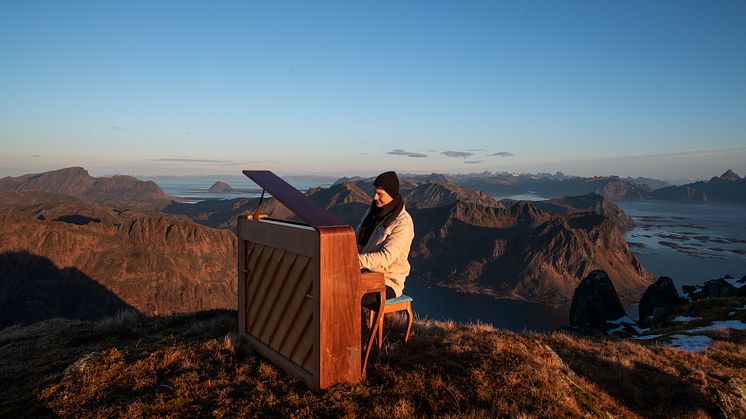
(385, 235)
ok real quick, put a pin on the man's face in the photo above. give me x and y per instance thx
(381, 197)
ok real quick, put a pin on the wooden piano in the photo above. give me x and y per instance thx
(300, 289)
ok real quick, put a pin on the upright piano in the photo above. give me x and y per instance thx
(300, 286)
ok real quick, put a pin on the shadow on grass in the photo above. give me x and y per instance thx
(644, 388)
(33, 289)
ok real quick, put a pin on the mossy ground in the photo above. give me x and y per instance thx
(197, 365)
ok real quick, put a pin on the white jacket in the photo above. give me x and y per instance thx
(387, 250)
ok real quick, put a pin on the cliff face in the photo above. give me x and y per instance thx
(592, 202)
(76, 181)
(728, 187)
(58, 259)
(522, 252)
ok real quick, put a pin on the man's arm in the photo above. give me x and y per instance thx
(398, 242)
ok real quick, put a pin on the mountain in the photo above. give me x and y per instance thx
(224, 188)
(429, 195)
(220, 187)
(651, 183)
(730, 175)
(85, 260)
(517, 252)
(521, 252)
(590, 202)
(729, 187)
(75, 181)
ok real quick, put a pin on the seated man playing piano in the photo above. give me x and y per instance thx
(385, 235)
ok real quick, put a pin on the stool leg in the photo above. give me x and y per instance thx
(380, 332)
(409, 322)
(371, 317)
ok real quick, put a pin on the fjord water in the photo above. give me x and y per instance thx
(690, 243)
(438, 303)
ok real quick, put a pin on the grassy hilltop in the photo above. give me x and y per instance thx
(196, 365)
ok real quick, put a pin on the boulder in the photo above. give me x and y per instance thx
(658, 301)
(595, 303)
(714, 288)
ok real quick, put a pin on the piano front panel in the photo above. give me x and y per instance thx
(278, 294)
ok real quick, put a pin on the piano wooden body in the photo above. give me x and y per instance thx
(299, 289)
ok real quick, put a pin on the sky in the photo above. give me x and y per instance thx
(631, 88)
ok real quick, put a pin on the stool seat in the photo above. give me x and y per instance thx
(400, 303)
(400, 299)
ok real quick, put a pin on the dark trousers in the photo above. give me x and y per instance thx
(372, 298)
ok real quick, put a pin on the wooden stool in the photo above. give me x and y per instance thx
(402, 303)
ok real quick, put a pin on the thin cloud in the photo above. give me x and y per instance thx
(475, 149)
(473, 161)
(461, 154)
(400, 152)
(35, 155)
(182, 160)
(702, 152)
(118, 128)
(502, 154)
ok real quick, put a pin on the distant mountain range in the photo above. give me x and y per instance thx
(728, 187)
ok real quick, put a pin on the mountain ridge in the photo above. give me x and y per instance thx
(75, 181)
(156, 264)
(728, 187)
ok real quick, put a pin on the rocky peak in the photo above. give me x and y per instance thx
(346, 179)
(341, 193)
(429, 195)
(478, 215)
(730, 175)
(592, 202)
(437, 178)
(220, 187)
(527, 213)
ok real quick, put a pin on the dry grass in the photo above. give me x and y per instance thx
(658, 381)
(196, 365)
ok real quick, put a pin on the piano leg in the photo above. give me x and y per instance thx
(373, 330)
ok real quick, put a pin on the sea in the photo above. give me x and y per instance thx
(191, 189)
(690, 243)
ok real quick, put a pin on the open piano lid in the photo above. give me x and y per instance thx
(308, 211)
